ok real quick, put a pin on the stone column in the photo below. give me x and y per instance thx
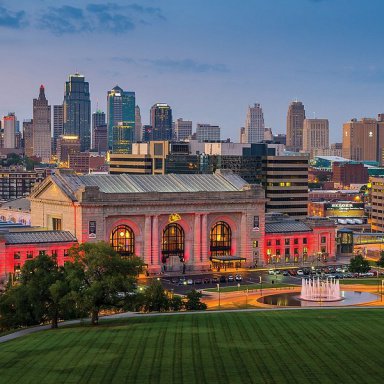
(204, 239)
(147, 238)
(243, 238)
(155, 239)
(196, 256)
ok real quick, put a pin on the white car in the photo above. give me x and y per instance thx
(271, 272)
(190, 282)
(300, 272)
(238, 278)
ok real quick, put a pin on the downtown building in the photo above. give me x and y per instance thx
(315, 135)
(77, 110)
(295, 126)
(207, 133)
(161, 122)
(41, 132)
(121, 115)
(254, 125)
(183, 129)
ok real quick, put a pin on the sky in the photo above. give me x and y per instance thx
(208, 59)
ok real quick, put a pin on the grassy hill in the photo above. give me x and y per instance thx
(295, 346)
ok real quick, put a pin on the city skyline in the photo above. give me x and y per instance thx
(319, 52)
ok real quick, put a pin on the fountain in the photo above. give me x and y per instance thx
(317, 290)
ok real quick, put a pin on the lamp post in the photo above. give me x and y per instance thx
(246, 298)
(261, 285)
(218, 289)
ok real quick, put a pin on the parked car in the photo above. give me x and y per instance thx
(182, 281)
(215, 279)
(231, 279)
(223, 279)
(207, 281)
(285, 273)
(190, 282)
(238, 278)
(198, 281)
(300, 272)
(271, 272)
(174, 280)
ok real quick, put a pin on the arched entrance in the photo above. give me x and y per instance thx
(122, 240)
(220, 244)
(172, 244)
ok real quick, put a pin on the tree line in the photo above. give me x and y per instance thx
(96, 279)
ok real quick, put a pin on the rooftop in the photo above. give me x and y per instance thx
(37, 237)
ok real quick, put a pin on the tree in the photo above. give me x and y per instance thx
(38, 297)
(155, 298)
(380, 262)
(193, 302)
(176, 303)
(359, 265)
(100, 278)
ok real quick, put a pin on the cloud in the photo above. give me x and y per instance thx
(9, 19)
(107, 17)
(186, 65)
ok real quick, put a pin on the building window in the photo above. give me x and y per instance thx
(54, 253)
(173, 242)
(295, 241)
(122, 240)
(278, 242)
(220, 239)
(66, 253)
(269, 243)
(287, 241)
(323, 239)
(29, 255)
(16, 255)
(56, 224)
(305, 240)
(42, 253)
(256, 222)
(255, 244)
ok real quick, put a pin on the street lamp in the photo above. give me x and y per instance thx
(261, 285)
(218, 289)
(246, 298)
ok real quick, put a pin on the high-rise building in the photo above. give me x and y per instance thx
(315, 135)
(9, 129)
(28, 137)
(66, 145)
(207, 132)
(58, 118)
(98, 118)
(161, 122)
(183, 129)
(254, 124)
(77, 110)
(147, 133)
(360, 140)
(295, 124)
(100, 139)
(138, 125)
(121, 113)
(42, 127)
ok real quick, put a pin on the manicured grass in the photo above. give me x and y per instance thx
(306, 346)
(252, 287)
(371, 281)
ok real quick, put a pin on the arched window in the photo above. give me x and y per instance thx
(123, 240)
(173, 242)
(220, 239)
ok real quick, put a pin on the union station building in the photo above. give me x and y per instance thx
(173, 222)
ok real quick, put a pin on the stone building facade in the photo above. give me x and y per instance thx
(173, 222)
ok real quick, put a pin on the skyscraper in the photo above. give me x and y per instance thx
(77, 110)
(9, 129)
(295, 123)
(254, 124)
(121, 113)
(42, 127)
(161, 122)
(315, 135)
(28, 137)
(183, 129)
(138, 125)
(98, 127)
(58, 118)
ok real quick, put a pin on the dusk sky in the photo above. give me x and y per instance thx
(208, 59)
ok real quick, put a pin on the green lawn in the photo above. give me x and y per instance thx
(306, 346)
